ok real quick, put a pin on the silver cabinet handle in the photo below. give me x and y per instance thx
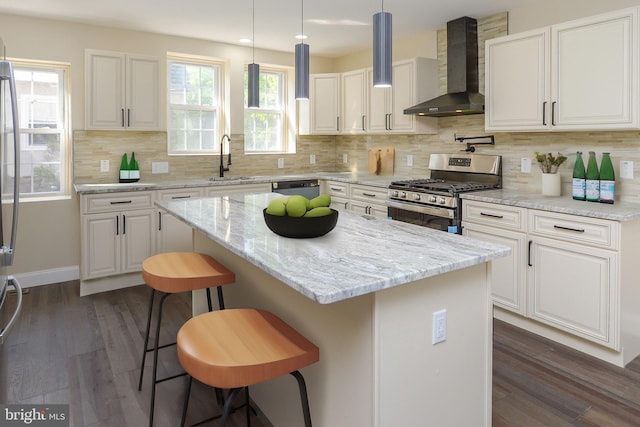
(336, 189)
(368, 194)
(123, 202)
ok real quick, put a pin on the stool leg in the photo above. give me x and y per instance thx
(146, 338)
(303, 397)
(209, 299)
(155, 360)
(220, 298)
(187, 392)
(248, 407)
(228, 405)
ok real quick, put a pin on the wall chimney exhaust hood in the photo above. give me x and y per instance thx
(462, 95)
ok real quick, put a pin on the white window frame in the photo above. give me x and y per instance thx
(63, 129)
(222, 101)
(287, 110)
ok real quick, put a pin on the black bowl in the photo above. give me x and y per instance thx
(303, 227)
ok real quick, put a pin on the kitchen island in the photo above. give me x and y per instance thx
(365, 294)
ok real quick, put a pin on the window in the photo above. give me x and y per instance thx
(195, 105)
(43, 117)
(265, 128)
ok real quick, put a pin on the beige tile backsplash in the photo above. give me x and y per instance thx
(92, 146)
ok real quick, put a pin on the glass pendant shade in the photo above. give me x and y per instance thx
(382, 49)
(302, 71)
(253, 99)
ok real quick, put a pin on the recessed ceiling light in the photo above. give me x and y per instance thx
(301, 36)
(245, 40)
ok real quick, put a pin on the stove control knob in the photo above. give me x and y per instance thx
(403, 195)
(432, 199)
(441, 200)
(416, 197)
(394, 193)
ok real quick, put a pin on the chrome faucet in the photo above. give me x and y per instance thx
(222, 168)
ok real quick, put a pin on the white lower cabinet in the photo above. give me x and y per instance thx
(220, 190)
(117, 240)
(339, 192)
(570, 278)
(573, 287)
(507, 273)
(173, 234)
(368, 200)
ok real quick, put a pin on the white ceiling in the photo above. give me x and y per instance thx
(334, 27)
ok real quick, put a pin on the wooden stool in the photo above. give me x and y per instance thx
(236, 348)
(170, 273)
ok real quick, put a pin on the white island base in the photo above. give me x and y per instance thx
(377, 365)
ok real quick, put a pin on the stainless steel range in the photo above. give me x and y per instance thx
(435, 202)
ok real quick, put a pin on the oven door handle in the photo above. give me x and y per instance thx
(425, 209)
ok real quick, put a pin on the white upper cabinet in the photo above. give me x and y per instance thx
(354, 99)
(122, 91)
(580, 75)
(414, 81)
(517, 81)
(324, 103)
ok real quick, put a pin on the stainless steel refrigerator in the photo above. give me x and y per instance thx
(10, 291)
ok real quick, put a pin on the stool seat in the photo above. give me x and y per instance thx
(173, 272)
(240, 347)
(170, 273)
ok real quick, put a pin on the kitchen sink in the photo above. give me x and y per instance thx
(228, 178)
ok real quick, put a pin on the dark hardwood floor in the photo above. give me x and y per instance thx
(86, 352)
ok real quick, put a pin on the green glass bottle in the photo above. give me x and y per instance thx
(607, 179)
(134, 170)
(593, 179)
(579, 183)
(124, 168)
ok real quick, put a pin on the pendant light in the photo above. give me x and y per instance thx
(253, 98)
(302, 63)
(382, 48)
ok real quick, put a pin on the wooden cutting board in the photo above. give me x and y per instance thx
(381, 160)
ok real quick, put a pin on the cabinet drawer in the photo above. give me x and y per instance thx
(369, 194)
(340, 189)
(116, 202)
(508, 217)
(182, 193)
(577, 229)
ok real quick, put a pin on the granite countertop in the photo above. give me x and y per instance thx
(348, 177)
(619, 211)
(360, 256)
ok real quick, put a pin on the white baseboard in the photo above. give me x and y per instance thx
(47, 277)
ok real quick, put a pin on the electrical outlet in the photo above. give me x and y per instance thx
(409, 160)
(525, 165)
(280, 163)
(104, 165)
(626, 169)
(159, 167)
(345, 158)
(312, 159)
(439, 326)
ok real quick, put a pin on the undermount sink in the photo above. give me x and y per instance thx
(228, 178)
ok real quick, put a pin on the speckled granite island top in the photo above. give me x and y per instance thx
(619, 211)
(358, 257)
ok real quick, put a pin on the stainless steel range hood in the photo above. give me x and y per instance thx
(462, 95)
